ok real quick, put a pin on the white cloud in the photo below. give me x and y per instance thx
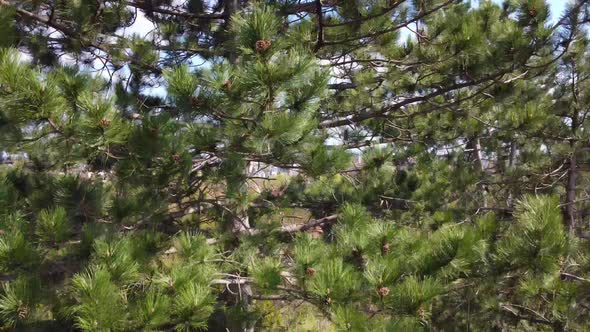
(142, 26)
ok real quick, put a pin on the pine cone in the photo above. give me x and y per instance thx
(104, 122)
(385, 248)
(154, 131)
(227, 85)
(23, 312)
(317, 232)
(383, 291)
(421, 313)
(275, 192)
(310, 271)
(194, 101)
(263, 45)
(533, 12)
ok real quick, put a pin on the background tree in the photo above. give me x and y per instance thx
(438, 149)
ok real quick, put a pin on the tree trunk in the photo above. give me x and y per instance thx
(241, 225)
(511, 160)
(570, 208)
(475, 147)
(230, 8)
(240, 222)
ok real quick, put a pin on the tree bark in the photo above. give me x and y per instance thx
(570, 207)
(475, 147)
(231, 7)
(511, 161)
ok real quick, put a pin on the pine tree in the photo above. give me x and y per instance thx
(433, 160)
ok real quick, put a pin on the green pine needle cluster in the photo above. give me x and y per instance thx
(366, 165)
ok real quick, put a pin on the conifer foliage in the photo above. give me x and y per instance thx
(433, 155)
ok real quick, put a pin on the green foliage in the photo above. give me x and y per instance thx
(100, 125)
(53, 226)
(261, 24)
(323, 160)
(352, 230)
(99, 302)
(412, 294)
(7, 25)
(82, 199)
(192, 247)
(433, 160)
(537, 241)
(382, 271)
(183, 85)
(17, 302)
(267, 273)
(350, 319)
(16, 251)
(153, 311)
(22, 90)
(115, 256)
(309, 253)
(192, 306)
(334, 281)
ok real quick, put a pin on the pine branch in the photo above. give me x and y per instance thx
(360, 117)
(47, 21)
(392, 29)
(149, 8)
(309, 225)
(306, 7)
(569, 276)
(386, 11)
(320, 26)
(515, 310)
(272, 297)
(298, 228)
(233, 281)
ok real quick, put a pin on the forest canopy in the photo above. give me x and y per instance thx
(294, 165)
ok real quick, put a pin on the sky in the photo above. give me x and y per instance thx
(557, 7)
(143, 26)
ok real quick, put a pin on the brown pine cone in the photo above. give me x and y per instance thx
(533, 10)
(276, 192)
(385, 248)
(310, 271)
(317, 232)
(23, 312)
(104, 122)
(263, 45)
(154, 131)
(227, 85)
(421, 313)
(383, 291)
(194, 101)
